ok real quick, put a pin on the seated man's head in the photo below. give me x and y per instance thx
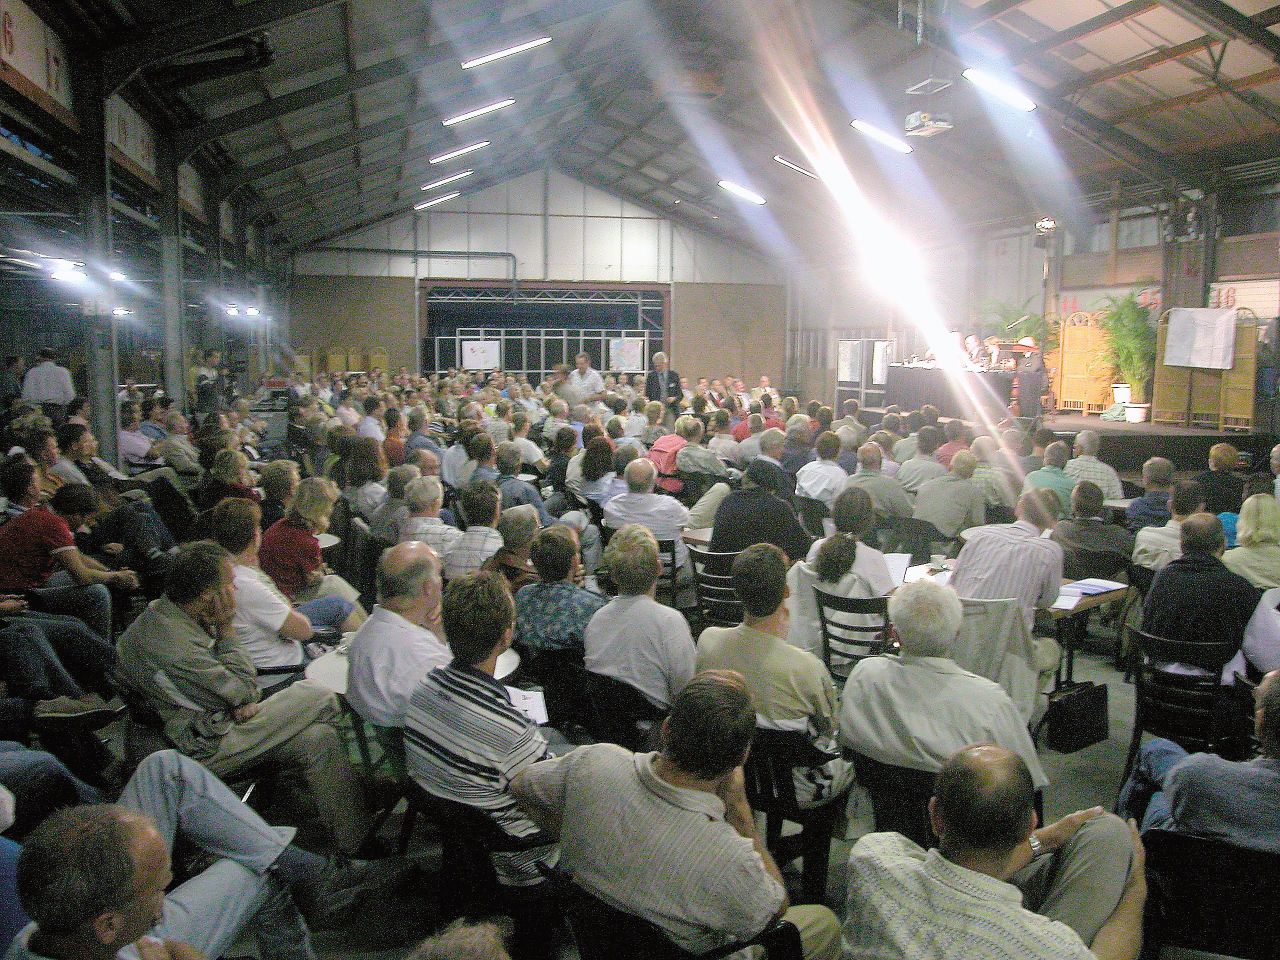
(1187, 498)
(93, 878)
(398, 478)
(424, 496)
(1087, 442)
(509, 459)
(1203, 533)
(77, 503)
(928, 440)
(478, 616)
(554, 553)
(640, 475)
(481, 503)
(1086, 500)
(518, 526)
(1157, 474)
(760, 580)
(201, 580)
(480, 448)
(1042, 438)
(870, 456)
(708, 731)
(1223, 457)
(772, 442)
(464, 941)
(983, 804)
(827, 446)
(963, 464)
(633, 560)
(1057, 454)
(926, 617)
(236, 524)
(1039, 507)
(408, 580)
(1266, 716)
(985, 448)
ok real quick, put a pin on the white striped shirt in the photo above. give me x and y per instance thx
(1095, 471)
(464, 741)
(1009, 561)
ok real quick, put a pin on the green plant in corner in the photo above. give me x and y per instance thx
(995, 317)
(1131, 343)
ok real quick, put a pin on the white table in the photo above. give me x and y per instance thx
(1121, 503)
(327, 541)
(330, 670)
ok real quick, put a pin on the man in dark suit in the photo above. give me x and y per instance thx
(758, 514)
(663, 384)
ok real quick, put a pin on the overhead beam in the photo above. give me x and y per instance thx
(1083, 29)
(1151, 162)
(989, 11)
(178, 38)
(1215, 16)
(1237, 88)
(439, 54)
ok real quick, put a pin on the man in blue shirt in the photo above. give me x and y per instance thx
(1152, 508)
(1206, 796)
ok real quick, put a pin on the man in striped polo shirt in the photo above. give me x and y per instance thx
(464, 741)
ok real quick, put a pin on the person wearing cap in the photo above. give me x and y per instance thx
(757, 513)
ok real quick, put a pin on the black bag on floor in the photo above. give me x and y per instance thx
(1077, 716)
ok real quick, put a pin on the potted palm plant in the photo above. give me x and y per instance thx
(1131, 350)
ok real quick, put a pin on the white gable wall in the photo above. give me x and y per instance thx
(558, 228)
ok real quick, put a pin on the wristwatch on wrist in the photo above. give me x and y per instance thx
(1037, 848)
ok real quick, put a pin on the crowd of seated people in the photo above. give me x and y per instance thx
(507, 514)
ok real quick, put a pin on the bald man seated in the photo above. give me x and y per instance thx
(1206, 796)
(998, 886)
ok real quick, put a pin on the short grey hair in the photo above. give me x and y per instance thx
(1057, 454)
(1158, 472)
(518, 526)
(927, 617)
(640, 475)
(398, 478)
(633, 560)
(772, 439)
(985, 448)
(1088, 441)
(408, 581)
(509, 458)
(963, 464)
(463, 941)
(659, 357)
(424, 493)
(1275, 454)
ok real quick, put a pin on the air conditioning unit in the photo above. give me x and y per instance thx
(923, 124)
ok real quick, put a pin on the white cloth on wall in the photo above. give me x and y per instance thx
(1201, 338)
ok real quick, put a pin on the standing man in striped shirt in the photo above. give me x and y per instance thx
(1014, 560)
(464, 740)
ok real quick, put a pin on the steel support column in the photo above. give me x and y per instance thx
(94, 191)
(172, 301)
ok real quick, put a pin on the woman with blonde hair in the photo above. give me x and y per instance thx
(228, 477)
(290, 552)
(1256, 556)
(653, 412)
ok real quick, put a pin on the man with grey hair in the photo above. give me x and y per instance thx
(516, 492)
(1152, 508)
(400, 642)
(918, 709)
(424, 498)
(663, 385)
(1053, 476)
(772, 443)
(953, 502)
(557, 411)
(749, 446)
(887, 495)
(664, 516)
(1087, 466)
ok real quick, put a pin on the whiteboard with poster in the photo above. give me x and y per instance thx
(626, 354)
(481, 355)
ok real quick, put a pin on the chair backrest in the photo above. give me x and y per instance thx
(917, 537)
(565, 685)
(621, 714)
(713, 582)
(899, 798)
(853, 629)
(1082, 564)
(695, 484)
(340, 519)
(1141, 578)
(358, 569)
(1208, 895)
(811, 512)
(768, 770)
(1195, 711)
(670, 571)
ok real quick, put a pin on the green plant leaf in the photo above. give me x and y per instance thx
(1130, 346)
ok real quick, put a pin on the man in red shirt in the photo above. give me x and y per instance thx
(44, 562)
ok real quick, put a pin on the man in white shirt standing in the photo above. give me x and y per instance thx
(665, 517)
(633, 638)
(1155, 547)
(823, 478)
(400, 642)
(1086, 466)
(48, 385)
(918, 709)
(586, 384)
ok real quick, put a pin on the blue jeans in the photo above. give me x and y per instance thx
(87, 656)
(1142, 797)
(12, 917)
(328, 612)
(40, 784)
(91, 602)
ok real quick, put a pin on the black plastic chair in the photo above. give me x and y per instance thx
(811, 512)
(361, 559)
(899, 798)
(667, 580)
(602, 932)
(565, 685)
(621, 714)
(917, 537)
(1210, 896)
(845, 643)
(1198, 713)
(1083, 564)
(718, 601)
(771, 788)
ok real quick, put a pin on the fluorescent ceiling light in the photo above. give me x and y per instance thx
(117, 276)
(518, 48)
(878, 135)
(798, 169)
(478, 112)
(440, 183)
(252, 311)
(432, 203)
(998, 88)
(70, 274)
(121, 312)
(742, 192)
(233, 311)
(459, 152)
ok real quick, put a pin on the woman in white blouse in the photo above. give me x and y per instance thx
(841, 564)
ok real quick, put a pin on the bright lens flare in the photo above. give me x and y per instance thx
(742, 193)
(879, 136)
(999, 89)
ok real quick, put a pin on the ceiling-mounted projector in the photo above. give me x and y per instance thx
(925, 124)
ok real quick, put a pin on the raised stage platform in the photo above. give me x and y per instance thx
(1126, 446)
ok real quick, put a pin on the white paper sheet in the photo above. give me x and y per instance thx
(897, 564)
(529, 702)
(1067, 601)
